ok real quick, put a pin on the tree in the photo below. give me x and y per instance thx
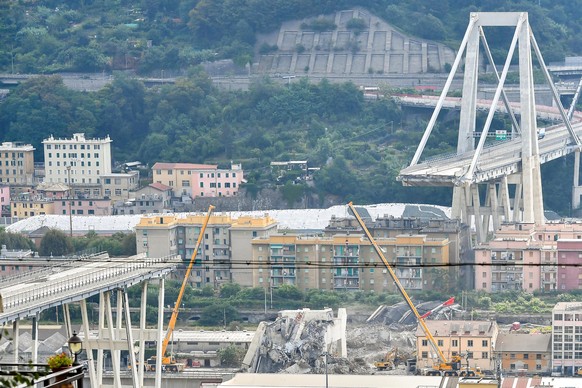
(218, 314)
(15, 241)
(231, 356)
(55, 243)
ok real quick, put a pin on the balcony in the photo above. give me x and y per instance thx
(346, 284)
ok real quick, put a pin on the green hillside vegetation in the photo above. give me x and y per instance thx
(47, 36)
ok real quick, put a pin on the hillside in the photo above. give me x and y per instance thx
(46, 36)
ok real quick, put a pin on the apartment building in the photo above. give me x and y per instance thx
(348, 262)
(16, 164)
(77, 161)
(199, 180)
(524, 353)
(4, 201)
(225, 246)
(569, 259)
(473, 340)
(567, 337)
(154, 198)
(526, 257)
(82, 206)
(25, 206)
(118, 186)
(459, 237)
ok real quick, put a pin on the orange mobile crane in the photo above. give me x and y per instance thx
(169, 363)
(443, 367)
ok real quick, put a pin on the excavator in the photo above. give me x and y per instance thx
(389, 362)
(443, 367)
(169, 363)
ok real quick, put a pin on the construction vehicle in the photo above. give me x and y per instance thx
(389, 362)
(169, 363)
(443, 367)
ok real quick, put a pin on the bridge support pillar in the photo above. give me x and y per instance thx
(16, 340)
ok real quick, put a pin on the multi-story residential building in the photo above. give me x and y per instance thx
(25, 206)
(118, 186)
(17, 164)
(567, 337)
(348, 262)
(460, 250)
(473, 340)
(4, 201)
(165, 235)
(242, 232)
(199, 180)
(525, 257)
(154, 198)
(569, 270)
(77, 161)
(524, 353)
(83, 206)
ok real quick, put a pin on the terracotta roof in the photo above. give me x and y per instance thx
(160, 186)
(458, 328)
(183, 166)
(519, 342)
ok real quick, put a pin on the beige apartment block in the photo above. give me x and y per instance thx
(77, 161)
(224, 253)
(199, 180)
(349, 262)
(523, 257)
(473, 340)
(16, 164)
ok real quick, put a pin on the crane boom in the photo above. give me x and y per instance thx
(184, 282)
(399, 286)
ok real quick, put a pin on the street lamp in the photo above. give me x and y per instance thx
(70, 213)
(326, 354)
(75, 347)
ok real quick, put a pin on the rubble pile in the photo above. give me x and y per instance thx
(297, 341)
(368, 343)
(399, 316)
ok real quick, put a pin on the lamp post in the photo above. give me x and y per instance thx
(326, 354)
(70, 213)
(75, 347)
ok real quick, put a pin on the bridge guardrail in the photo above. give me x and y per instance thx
(70, 286)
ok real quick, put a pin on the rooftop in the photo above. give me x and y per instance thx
(183, 166)
(458, 328)
(520, 342)
(290, 219)
(568, 306)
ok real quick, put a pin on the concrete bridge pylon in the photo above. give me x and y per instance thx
(487, 204)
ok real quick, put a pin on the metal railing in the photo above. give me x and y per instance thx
(41, 375)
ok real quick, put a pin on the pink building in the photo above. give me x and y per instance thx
(199, 180)
(83, 207)
(5, 200)
(569, 259)
(526, 257)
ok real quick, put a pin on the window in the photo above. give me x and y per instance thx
(484, 343)
(186, 183)
(424, 342)
(512, 366)
(512, 356)
(485, 355)
(526, 356)
(484, 274)
(440, 343)
(202, 184)
(424, 355)
(454, 342)
(469, 342)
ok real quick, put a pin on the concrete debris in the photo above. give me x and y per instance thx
(399, 316)
(297, 341)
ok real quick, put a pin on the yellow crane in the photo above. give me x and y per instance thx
(443, 366)
(169, 363)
